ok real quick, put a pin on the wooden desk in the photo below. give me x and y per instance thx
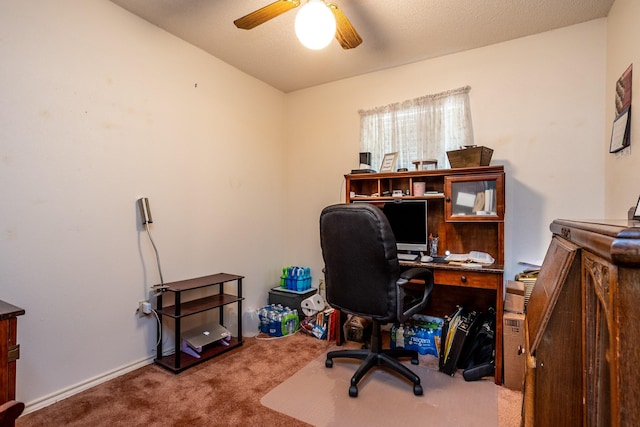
(9, 350)
(473, 289)
(461, 227)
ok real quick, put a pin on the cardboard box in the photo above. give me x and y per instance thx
(514, 297)
(513, 355)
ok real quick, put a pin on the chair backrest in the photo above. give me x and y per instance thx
(361, 262)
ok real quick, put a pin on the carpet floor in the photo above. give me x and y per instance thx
(227, 391)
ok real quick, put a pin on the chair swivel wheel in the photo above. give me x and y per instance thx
(328, 363)
(417, 389)
(415, 361)
(353, 391)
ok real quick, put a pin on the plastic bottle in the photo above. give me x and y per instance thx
(251, 323)
(300, 279)
(272, 323)
(400, 336)
(433, 246)
(263, 315)
(293, 322)
(291, 279)
(307, 278)
(283, 317)
(286, 323)
(279, 325)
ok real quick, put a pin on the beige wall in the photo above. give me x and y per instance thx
(622, 171)
(99, 108)
(537, 101)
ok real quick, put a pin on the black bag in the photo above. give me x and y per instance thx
(479, 354)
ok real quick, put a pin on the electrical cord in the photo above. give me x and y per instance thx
(159, 327)
(259, 338)
(146, 226)
(155, 249)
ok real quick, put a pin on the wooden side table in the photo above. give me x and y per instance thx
(9, 350)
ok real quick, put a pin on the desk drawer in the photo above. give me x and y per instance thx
(472, 279)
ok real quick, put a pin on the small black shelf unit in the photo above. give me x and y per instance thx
(179, 361)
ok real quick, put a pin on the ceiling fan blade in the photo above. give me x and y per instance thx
(346, 35)
(266, 13)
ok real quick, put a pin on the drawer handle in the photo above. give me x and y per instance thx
(463, 279)
(13, 353)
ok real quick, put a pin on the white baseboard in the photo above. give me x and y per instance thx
(77, 388)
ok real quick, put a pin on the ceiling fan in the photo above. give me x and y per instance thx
(346, 35)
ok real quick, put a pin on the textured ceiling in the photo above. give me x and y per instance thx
(394, 32)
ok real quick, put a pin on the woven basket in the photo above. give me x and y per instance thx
(470, 157)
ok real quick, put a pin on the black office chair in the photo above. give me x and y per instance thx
(363, 277)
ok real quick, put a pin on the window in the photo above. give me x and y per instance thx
(421, 128)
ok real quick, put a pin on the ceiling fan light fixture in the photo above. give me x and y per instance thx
(315, 25)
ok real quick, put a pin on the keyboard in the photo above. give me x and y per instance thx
(407, 257)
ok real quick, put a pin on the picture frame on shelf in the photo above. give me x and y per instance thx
(389, 162)
(636, 213)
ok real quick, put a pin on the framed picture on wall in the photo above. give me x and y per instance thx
(620, 133)
(389, 162)
(621, 129)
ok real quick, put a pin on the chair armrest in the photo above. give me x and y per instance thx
(410, 301)
(417, 273)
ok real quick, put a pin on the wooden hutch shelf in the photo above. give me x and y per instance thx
(466, 210)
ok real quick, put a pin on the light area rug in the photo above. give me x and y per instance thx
(319, 396)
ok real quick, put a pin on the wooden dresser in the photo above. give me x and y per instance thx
(583, 327)
(9, 350)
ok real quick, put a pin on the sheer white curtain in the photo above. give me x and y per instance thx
(421, 128)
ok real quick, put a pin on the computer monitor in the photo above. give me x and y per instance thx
(408, 220)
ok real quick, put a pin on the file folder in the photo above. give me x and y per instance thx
(458, 327)
(449, 326)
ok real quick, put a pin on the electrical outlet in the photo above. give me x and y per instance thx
(144, 308)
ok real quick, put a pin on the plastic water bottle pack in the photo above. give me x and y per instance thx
(278, 321)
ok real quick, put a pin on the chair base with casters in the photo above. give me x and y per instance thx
(376, 356)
